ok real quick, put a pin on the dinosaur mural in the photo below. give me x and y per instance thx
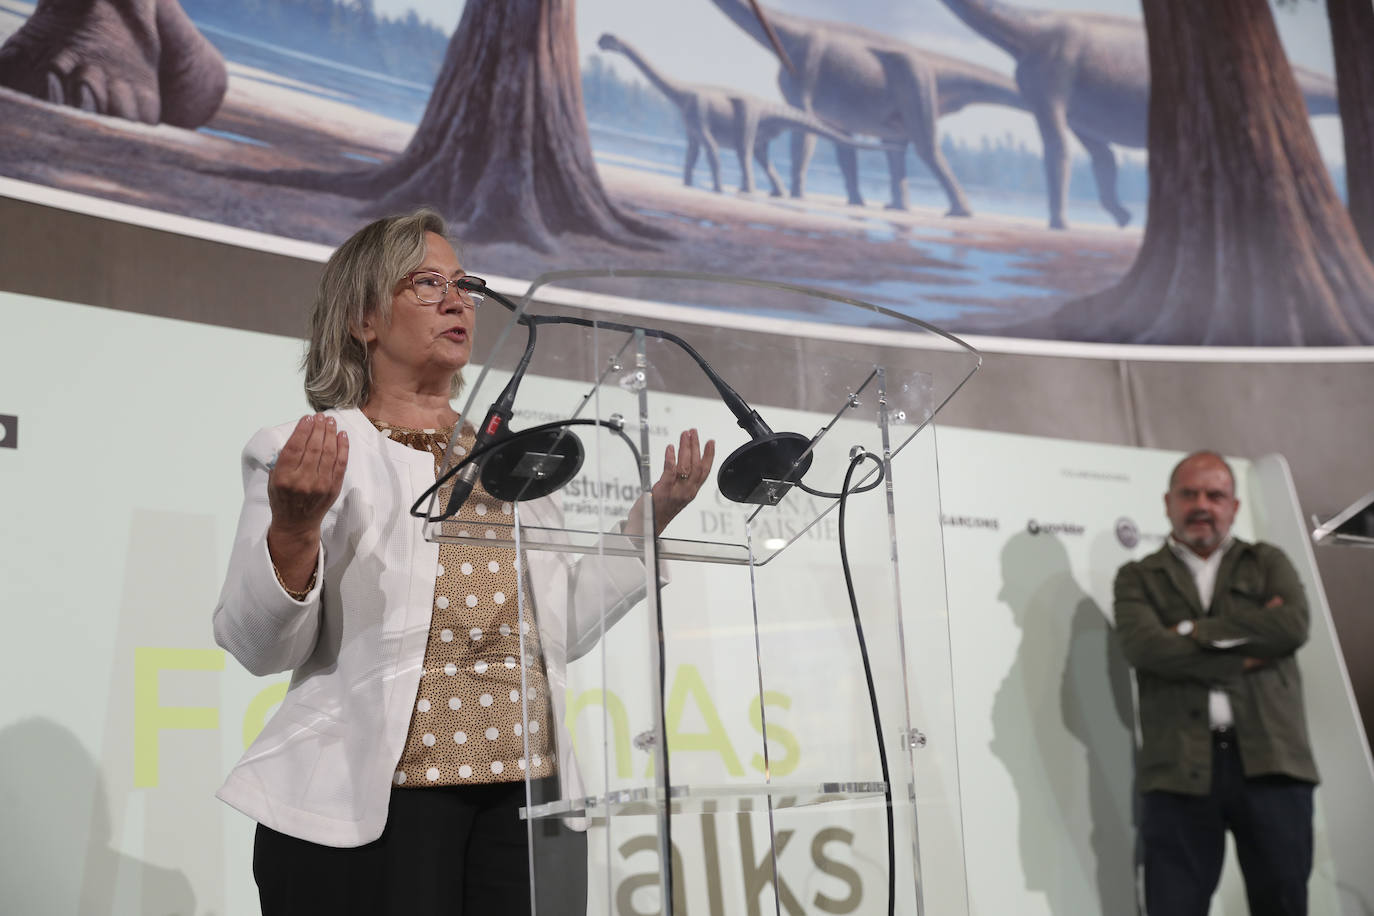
(1088, 75)
(712, 115)
(142, 60)
(541, 156)
(844, 74)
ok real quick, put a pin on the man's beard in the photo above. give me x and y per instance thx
(1202, 541)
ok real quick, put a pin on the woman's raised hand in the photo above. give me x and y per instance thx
(301, 487)
(684, 472)
(308, 475)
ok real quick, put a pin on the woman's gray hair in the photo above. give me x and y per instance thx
(358, 282)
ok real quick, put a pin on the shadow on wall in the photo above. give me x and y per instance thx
(1063, 728)
(56, 854)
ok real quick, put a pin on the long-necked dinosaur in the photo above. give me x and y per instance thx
(1088, 74)
(143, 60)
(868, 83)
(713, 115)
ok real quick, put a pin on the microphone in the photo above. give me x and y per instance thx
(497, 418)
(515, 466)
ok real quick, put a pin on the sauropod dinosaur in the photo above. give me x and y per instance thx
(713, 115)
(1088, 74)
(844, 74)
(142, 60)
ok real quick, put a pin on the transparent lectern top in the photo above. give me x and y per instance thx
(618, 368)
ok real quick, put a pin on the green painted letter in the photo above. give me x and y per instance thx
(780, 766)
(715, 738)
(151, 718)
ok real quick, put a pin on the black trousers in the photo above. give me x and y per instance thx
(451, 850)
(1184, 840)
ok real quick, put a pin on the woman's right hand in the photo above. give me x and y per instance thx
(301, 487)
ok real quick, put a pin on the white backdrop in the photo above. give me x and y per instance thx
(119, 716)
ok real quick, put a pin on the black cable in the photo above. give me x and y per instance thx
(748, 418)
(617, 428)
(663, 706)
(824, 495)
(868, 675)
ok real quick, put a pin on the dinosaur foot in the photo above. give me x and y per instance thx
(896, 207)
(960, 212)
(1120, 214)
(142, 60)
(1057, 222)
(191, 71)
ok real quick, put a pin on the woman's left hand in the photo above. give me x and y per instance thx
(684, 471)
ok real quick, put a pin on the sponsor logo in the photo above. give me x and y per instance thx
(1127, 533)
(1093, 474)
(970, 521)
(1037, 527)
(532, 416)
(9, 431)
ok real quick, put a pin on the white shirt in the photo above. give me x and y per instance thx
(1204, 572)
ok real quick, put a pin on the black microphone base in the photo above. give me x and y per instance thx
(763, 470)
(528, 465)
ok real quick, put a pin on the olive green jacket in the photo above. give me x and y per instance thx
(1175, 673)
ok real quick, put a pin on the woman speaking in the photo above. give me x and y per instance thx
(390, 778)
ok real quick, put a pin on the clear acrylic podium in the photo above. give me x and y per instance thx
(718, 700)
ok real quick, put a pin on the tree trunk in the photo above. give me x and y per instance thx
(1247, 242)
(1352, 40)
(502, 150)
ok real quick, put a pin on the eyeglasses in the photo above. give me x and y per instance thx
(431, 287)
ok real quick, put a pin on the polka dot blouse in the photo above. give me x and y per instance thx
(467, 725)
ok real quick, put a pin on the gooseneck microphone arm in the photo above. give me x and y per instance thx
(763, 469)
(494, 426)
(748, 418)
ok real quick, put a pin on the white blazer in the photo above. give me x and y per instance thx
(322, 768)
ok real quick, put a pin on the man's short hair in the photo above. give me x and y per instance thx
(1207, 453)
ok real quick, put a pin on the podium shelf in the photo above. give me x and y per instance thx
(722, 798)
(582, 541)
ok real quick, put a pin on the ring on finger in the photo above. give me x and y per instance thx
(683, 475)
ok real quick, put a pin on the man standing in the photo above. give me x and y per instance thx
(1210, 624)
